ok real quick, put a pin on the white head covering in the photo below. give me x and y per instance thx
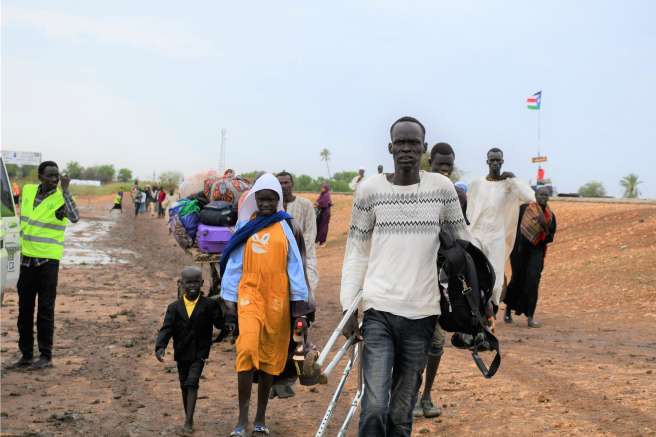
(265, 182)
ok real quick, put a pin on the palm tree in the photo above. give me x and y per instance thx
(630, 184)
(325, 156)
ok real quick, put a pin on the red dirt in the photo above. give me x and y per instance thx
(588, 371)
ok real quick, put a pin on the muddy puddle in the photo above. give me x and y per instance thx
(86, 244)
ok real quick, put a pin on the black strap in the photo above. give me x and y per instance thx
(479, 341)
(493, 343)
(488, 338)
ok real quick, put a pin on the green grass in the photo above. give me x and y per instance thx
(83, 190)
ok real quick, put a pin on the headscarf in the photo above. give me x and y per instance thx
(324, 199)
(247, 226)
(248, 206)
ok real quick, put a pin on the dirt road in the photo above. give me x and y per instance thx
(589, 371)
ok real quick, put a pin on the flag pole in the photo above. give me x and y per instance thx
(539, 111)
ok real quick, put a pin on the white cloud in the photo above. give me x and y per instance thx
(167, 38)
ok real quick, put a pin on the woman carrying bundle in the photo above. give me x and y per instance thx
(264, 287)
(536, 229)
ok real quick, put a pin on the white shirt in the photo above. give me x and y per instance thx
(355, 182)
(391, 252)
(303, 212)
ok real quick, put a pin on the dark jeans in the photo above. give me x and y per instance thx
(189, 373)
(33, 281)
(394, 357)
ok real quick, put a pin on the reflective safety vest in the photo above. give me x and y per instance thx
(42, 233)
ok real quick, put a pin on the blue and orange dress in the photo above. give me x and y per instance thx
(263, 276)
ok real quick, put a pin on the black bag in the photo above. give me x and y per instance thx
(466, 280)
(218, 213)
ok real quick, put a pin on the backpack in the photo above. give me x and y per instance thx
(218, 213)
(466, 279)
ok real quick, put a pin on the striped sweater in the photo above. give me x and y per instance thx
(393, 241)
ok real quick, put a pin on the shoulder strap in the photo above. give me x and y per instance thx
(452, 254)
(486, 341)
(492, 344)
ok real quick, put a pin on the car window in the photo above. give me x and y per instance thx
(7, 200)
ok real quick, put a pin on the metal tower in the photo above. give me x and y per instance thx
(222, 151)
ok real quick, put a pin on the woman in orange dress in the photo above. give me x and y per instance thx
(264, 287)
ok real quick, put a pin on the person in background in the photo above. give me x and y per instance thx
(15, 189)
(136, 198)
(46, 209)
(161, 197)
(323, 204)
(143, 200)
(168, 201)
(536, 229)
(150, 201)
(442, 161)
(492, 209)
(380, 168)
(155, 209)
(118, 202)
(304, 217)
(357, 179)
(134, 191)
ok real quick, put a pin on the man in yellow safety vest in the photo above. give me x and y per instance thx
(45, 212)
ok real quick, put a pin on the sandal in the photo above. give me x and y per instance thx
(260, 430)
(239, 431)
(429, 409)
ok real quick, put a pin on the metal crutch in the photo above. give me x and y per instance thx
(337, 332)
(355, 403)
(323, 427)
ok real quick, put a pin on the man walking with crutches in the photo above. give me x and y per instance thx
(391, 255)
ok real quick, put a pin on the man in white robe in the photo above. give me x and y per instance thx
(493, 210)
(357, 179)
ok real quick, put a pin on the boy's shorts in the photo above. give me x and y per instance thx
(189, 373)
(436, 348)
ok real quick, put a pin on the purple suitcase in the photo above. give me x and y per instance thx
(213, 239)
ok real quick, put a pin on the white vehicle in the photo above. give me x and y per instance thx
(9, 235)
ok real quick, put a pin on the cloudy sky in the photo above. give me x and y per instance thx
(149, 84)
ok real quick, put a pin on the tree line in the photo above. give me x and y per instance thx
(339, 182)
(628, 183)
(106, 173)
